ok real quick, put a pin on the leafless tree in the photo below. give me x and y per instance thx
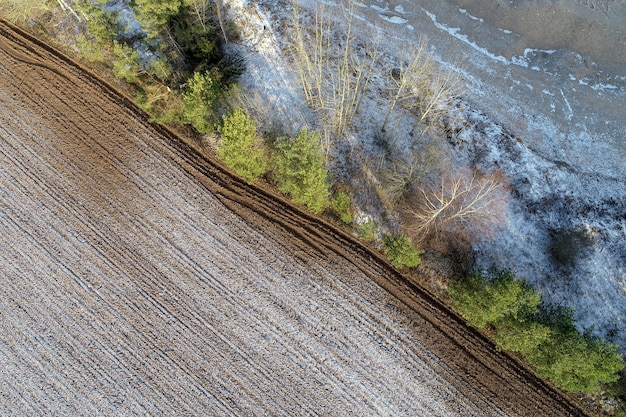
(335, 69)
(411, 79)
(403, 174)
(435, 99)
(467, 203)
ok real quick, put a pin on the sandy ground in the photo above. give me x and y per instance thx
(139, 278)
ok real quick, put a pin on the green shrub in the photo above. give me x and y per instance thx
(201, 100)
(484, 302)
(300, 170)
(368, 230)
(343, 207)
(153, 15)
(544, 335)
(400, 251)
(125, 62)
(239, 148)
(576, 362)
(195, 30)
(101, 24)
(521, 336)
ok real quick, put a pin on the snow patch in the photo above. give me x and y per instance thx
(466, 13)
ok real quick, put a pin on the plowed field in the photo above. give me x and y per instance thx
(139, 278)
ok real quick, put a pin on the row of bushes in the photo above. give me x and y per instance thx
(544, 335)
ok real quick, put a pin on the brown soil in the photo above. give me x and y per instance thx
(141, 278)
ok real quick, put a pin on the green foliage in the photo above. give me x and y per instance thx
(153, 15)
(521, 336)
(182, 34)
(400, 251)
(300, 170)
(201, 100)
(196, 37)
(160, 102)
(101, 24)
(484, 302)
(544, 335)
(368, 230)
(577, 362)
(91, 50)
(125, 62)
(239, 148)
(343, 206)
(160, 68)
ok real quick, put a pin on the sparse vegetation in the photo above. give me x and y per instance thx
(416, 83)
(19, 11)
(335, 69)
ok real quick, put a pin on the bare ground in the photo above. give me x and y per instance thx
(140, 278)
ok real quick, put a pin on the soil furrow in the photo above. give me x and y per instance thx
(142, 278)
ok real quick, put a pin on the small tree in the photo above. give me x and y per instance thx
(467, 204)
(484, 302)
(153, 15)
(411, 79)
(400, 251)
(433, 104)
(102, 24)
(125, 62)
(368, 230)
(300, 170)
(239, 148)
(204, 90)
(343, 207)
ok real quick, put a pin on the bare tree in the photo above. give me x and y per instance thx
(411, 79)
(334, 68)
(467, 203)
(436, 98)
(403, 174)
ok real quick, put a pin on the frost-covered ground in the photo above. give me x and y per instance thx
(545, 96)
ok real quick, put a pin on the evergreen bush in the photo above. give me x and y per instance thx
(300, 170)
(240, 149)
(400, 251)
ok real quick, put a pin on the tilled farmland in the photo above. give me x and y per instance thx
(140, 278)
